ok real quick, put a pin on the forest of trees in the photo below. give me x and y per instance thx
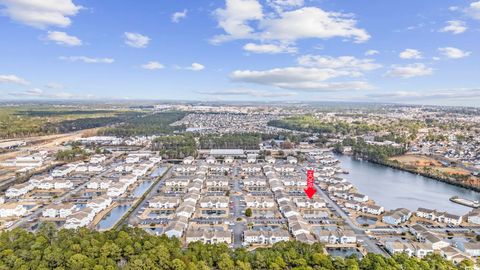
(150, 124)
(130, 248)
(230, 141)
(71, 155)
(378, 153)
(309, 123)
(175, 146)
(15, 123)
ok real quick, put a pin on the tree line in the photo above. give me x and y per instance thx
(134, 248)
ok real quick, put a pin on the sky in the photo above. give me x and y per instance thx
(409, 51)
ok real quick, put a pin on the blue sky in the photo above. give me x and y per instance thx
(423, 52)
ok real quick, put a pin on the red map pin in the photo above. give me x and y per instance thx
(310, 190)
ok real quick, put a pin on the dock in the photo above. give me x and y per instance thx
(465, 202)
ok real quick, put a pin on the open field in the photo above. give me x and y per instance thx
(424, 161)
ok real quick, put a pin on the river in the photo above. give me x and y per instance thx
(393, 188)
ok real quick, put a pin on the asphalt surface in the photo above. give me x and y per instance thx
(360, 232)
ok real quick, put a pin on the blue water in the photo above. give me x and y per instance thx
(393, 188)
(142, 188)
(159, 171)
(113, 217)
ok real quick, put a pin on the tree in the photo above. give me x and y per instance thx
(225, 262)
(248, 212)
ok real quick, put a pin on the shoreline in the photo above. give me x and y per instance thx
(413, 171)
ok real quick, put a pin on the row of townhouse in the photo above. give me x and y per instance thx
(255, 182)
(365, 207)
(60, 210)
(214, 202)
(188, 160)
(64, 170)
(345, 186)
(208, 236)
(137, 157)
(251, 168)
(85, 216)
(217, 182)
(118, 188)
(416, 249)
(442, 217)
(397, 216)
(338, 236)
(315, 203)
(18, 190)
(259, 201)
(422, 234)
(177, 226)
(89, 167)
(38, 182)
(265, 237)
(357, 197)
(297, 225)
(219, 169)
(164, 202)
(186, 169)
(12, 209)
(55, 184)
(332, 180)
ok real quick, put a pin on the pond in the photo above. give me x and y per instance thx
(113, 217)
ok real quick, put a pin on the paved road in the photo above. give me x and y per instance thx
(360, 232)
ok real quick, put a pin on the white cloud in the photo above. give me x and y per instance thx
(12, 79)
(371, 52)
(453, 53)
(136, 40)
(311, 22)
(247, 92)
(280, 5)
(40, 13)
(177, 16)
(153, 65)
(473, 10)
(88, 60)
(39, 93)
(299, 78)
(285, 26)
(453, 8)
(269, 48)
(410, 54)
(196, 67)
(409, 71)
(313, 74)
(347, 63)
(459, 93)
(455, 27)
(54, 85)
(234, 18)
(63, 38)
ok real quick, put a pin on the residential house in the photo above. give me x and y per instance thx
(164, 202)
(99, 203)
(265, 237)
(397, 216)
(61, 210)
(214, 202)
(12, 210)
(208, 236)
(80, 218)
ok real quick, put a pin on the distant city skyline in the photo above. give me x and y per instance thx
(247, 50)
